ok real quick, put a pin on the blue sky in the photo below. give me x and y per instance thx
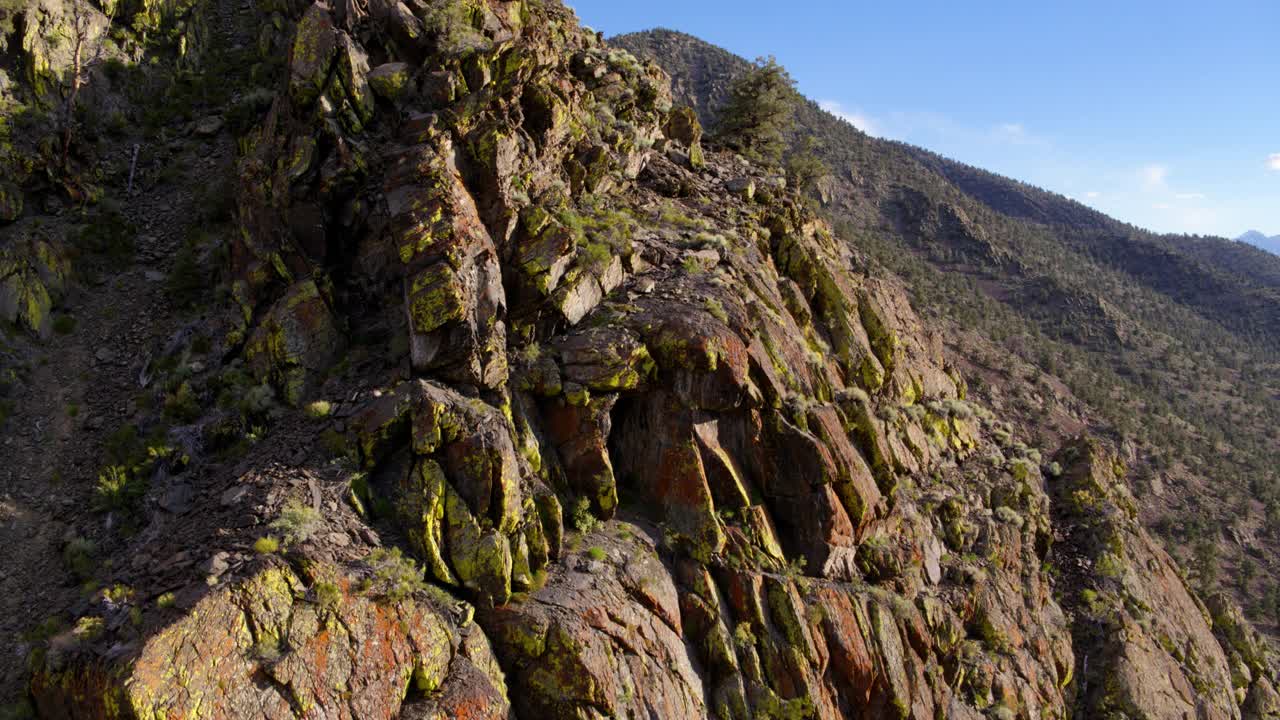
(1162, 114)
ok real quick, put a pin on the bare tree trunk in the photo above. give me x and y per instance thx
(82, 25)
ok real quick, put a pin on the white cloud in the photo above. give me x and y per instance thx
(855, 118)
(1012, 131)
(1014, 134)
(1093, 194)
(1162, 206)
(1189, 196)
(1273, 161)
(1155, 177)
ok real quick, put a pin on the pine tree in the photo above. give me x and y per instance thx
(804, 167)
(759, 112)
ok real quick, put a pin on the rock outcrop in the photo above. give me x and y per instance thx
(663, 446)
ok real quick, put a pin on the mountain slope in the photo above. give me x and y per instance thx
(486, 393)
(1167, 341)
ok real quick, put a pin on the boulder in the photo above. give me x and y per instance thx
(604, 635)
(315, 47)
(268, 626)
(297, 339)
(390, 80)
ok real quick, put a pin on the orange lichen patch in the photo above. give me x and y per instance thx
(259, 649)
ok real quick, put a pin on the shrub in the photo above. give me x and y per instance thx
(1110, 565)
(335, 443)
(1009, 515)
(122, 445)
(717, 310)
(693, 265)
(88, 629)
(596, 257)
(266, 545)
(79, 557)
(266, 649)
(165, 601)
(596, 553)
(257, 400)
(530, 353)
(319, 409)
(395, 576)
(181, 405)
(297, 522)
(119, 489)
(584, 521)
(672, 214)
(328, 595)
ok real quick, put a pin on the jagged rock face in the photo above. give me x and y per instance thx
(779, 503)
(1144, 642)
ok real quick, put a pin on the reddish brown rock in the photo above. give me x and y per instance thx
(353, 657)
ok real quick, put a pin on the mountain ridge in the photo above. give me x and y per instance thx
(1258, 239)
(434, 363)
(1078, 296)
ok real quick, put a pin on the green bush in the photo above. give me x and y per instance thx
(584, 521)
(266, 650)
(596, 257)
(395, 575)
(119, 489)
(181, 405)
(80, 558)
(328, 595)
(335, 444)
(693, 265)
(297, 522)
(319, 409)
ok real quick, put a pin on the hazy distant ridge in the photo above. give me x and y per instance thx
(1257, 239)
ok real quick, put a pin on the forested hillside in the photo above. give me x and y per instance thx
(1166, 343)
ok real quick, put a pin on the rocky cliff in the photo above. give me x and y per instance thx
(1067, 321)
(519, 402)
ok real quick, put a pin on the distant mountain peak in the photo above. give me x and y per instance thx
(1256, 236)
(1261, 240)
